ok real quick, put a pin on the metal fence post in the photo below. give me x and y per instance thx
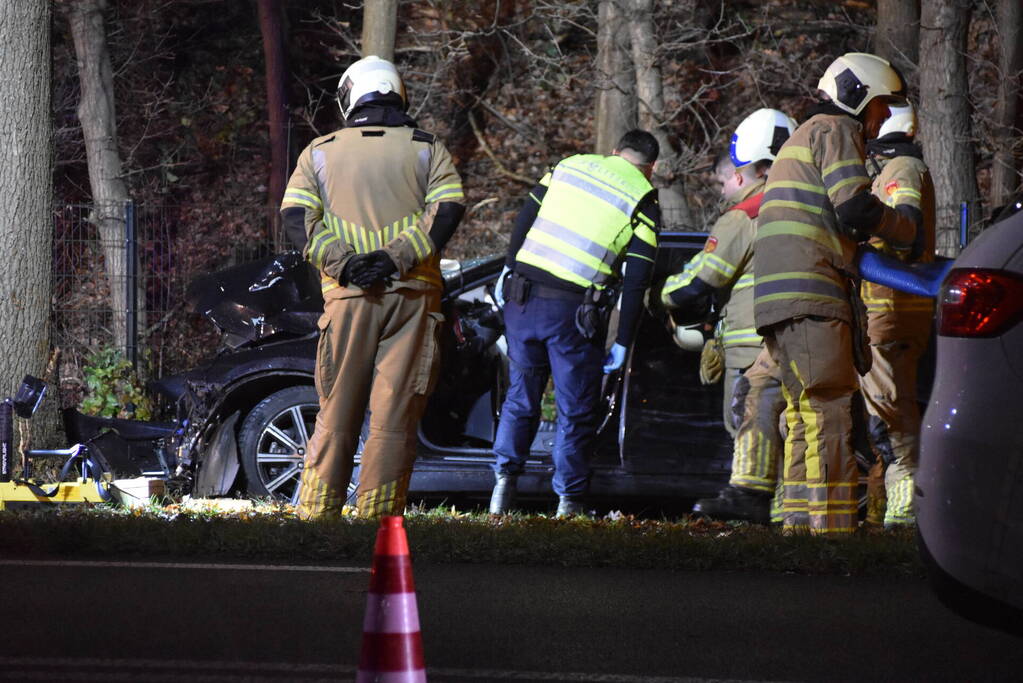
(131, 346)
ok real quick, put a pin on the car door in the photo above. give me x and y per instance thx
(670, 438)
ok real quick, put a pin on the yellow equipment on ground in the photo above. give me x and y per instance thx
(91, 486)
(16, 495)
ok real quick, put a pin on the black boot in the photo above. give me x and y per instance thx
(504, 493)
(736, 504)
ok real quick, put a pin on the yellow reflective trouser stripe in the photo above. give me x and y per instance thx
(753, 461)
(386, 499)
(900, 502)
(315, 498)
(792, 487)
(811, 430)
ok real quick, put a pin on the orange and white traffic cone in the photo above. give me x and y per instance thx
(392, 647)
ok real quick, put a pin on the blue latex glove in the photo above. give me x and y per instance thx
(499, 287)
(615, 358)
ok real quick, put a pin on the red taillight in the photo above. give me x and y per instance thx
(979, 302)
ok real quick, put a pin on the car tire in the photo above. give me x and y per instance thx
(273, 440)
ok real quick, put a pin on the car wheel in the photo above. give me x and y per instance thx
(273, 441)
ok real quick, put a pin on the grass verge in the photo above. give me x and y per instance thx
(443, 535)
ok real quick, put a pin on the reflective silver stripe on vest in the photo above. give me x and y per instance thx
(588, 273)
(570, 237)
(568, 177)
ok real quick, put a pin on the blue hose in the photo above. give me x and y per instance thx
(921, 279)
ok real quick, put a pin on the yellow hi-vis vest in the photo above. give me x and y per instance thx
(585, 221)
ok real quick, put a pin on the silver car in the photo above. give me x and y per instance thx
(969, 489)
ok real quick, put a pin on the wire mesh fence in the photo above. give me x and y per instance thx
(121, 274)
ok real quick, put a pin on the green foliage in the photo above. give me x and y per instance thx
(548, 406)
(114, 390)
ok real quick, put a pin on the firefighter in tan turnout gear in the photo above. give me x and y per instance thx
(817, 207)
(899, 324)
(378, 200)
(726, 266)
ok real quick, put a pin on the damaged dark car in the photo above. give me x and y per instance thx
(241, 421)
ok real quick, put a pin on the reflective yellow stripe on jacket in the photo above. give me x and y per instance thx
(363, 240)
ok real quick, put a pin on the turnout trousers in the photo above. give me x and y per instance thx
(759, 446)
(543, 341)
(730, 378)
(377, 353)
(814, 356)
(889, 390)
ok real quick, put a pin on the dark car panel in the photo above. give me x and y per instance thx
(661, 435)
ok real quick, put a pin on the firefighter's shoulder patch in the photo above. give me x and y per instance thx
(891, 187)
(711, 244)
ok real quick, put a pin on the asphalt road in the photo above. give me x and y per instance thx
(146, 621)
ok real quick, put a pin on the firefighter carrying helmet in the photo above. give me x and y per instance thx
(855, 78)
(371, 78)
(901, 120)
(760, 136)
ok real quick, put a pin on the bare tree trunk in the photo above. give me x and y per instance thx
(379, 23)
(650, 96)
(26, 164)
(944, 113)
(615, 82)
(99, 128)
(276, 105)
(1004, 174)
(898, 33)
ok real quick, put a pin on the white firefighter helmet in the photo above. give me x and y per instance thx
(760, 136)
(689, 337)
(855, 78)
(901, 120)
(370, 78)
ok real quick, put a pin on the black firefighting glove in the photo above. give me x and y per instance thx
(379, 269)
(354, 267)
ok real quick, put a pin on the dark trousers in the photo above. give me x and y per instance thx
(543, 341)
